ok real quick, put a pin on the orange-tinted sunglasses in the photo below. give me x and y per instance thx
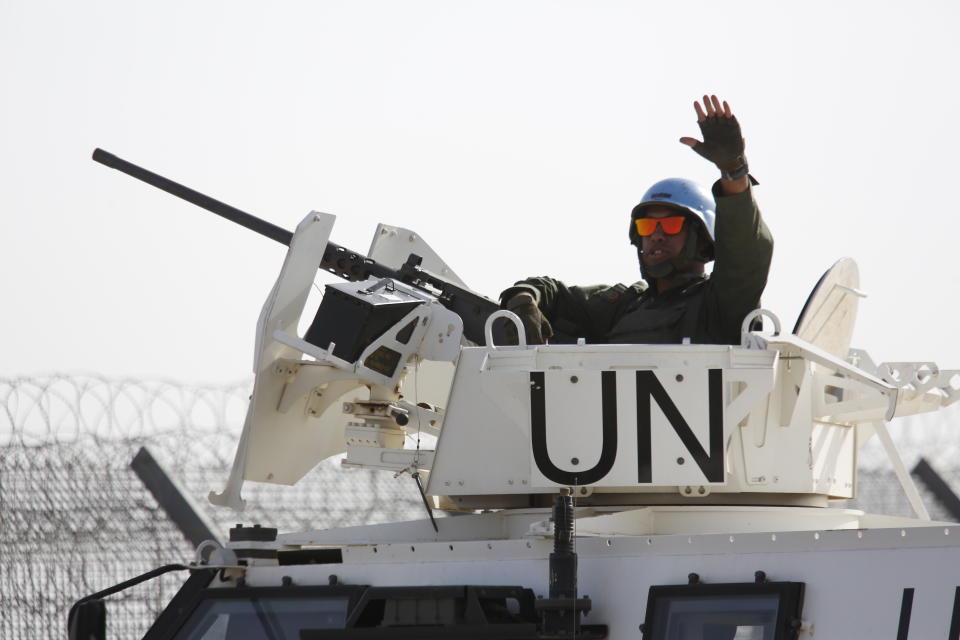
(671, 226)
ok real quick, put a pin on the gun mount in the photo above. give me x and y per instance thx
(776, 421)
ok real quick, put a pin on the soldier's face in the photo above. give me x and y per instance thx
(660, 246)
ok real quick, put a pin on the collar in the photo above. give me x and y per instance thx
(681, 283)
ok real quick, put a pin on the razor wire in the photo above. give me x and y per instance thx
(75, 518)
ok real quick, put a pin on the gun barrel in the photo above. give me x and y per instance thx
(222, 209)
(349, 265)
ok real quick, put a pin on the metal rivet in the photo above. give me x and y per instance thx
(680, 461)
(679, 377)
(574, 460)
(574, 379)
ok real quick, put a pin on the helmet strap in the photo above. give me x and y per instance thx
(668, 268)
(663, 269)
(690, 251)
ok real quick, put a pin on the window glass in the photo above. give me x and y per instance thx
(747, 617)
(257, 618)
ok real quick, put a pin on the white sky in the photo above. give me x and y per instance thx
(514, 136)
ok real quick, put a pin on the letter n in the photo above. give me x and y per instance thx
(711, 465)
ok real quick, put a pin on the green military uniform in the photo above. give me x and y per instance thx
(706, 309)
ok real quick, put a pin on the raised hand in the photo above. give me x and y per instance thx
(722, 141)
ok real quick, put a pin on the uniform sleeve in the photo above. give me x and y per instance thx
(574, 311)
(743, 249)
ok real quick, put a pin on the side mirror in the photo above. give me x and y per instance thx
(89, 621)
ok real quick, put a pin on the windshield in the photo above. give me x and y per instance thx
(273, 618)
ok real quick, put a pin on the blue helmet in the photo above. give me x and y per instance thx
(679, 193)
(686, 195)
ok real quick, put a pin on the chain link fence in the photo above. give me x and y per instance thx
(74, 517)
(935, 437)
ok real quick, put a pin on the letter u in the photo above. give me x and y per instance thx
(538, 432)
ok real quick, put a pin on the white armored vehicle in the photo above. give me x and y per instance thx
(589, 491)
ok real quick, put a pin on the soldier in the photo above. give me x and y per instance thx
(677, 228)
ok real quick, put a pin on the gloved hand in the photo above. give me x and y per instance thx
(722, 141)
(535, 324)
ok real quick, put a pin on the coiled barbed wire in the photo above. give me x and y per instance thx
(74, 517)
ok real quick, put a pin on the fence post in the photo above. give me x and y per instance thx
(176, 503)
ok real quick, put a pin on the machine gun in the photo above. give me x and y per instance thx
(338, 387)
(352, 266)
